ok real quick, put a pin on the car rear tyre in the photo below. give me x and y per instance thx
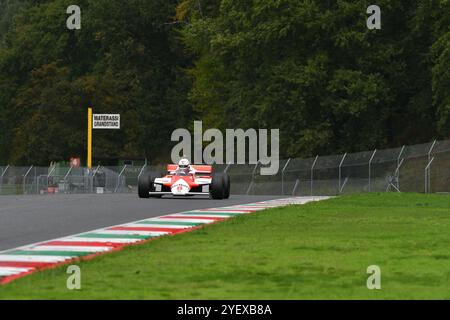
(144, 185)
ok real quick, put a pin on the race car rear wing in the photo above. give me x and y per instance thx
(171, 168)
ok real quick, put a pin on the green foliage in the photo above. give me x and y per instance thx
(125, 59)
(310, 68)
(8, 8)
(315, 71)
(441, 68)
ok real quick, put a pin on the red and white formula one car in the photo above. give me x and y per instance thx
(184, 180)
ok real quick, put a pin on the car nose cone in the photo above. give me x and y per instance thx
(180, 187)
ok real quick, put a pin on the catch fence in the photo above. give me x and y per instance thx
(418, 168)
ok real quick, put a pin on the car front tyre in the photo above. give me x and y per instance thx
(144, 185)
(217, 191)
(226, 181)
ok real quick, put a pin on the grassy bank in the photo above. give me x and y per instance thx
(316, 251)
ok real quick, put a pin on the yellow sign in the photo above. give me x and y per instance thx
(89, 142)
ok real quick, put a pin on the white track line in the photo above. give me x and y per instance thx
(34, 258)
(70, 248)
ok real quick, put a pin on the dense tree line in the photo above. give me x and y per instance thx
(126, 59)
(310, 68)
(314, 70)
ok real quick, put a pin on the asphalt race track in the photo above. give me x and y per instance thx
(29, 219)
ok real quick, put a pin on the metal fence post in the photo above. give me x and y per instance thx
(49, 174)
(398, 173)
(429, 159)
(37, 181)
(253, 176)
(297, 182)
(92, 177)
(65, 179)
(118, 178)
(431, 150)
(142, 170)
(400, 155)
(25, 179)
(427, 174)
(1, 178)
(399, 164)
(340, 168)
(282, 176)
(370, 171)
(312, 174)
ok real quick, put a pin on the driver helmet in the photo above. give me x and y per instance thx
(184, 164)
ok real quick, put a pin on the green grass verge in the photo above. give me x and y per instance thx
(316, 251)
